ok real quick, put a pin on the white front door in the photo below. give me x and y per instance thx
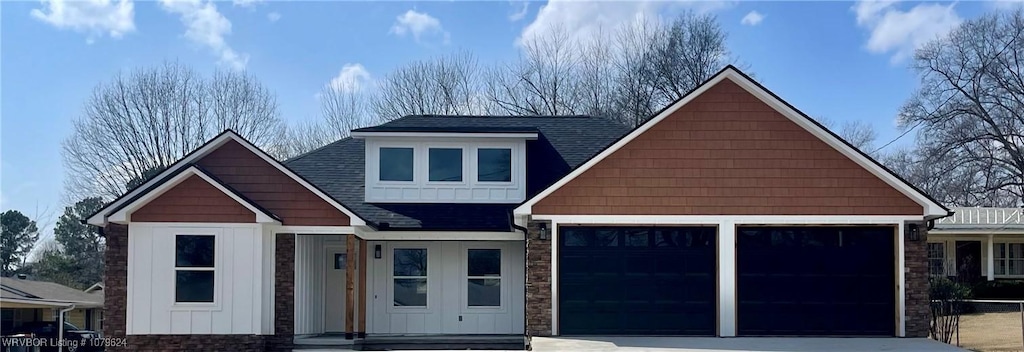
(334, 289)
(447, 287)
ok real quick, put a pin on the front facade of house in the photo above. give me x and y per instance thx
(729, 213)
(978, 244)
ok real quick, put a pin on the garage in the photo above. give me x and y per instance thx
(637, 280)
(821, 281)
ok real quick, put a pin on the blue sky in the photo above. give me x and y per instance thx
(839, 60)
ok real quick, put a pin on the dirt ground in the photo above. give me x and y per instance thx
(991, 332)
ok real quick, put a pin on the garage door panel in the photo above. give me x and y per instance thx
(816, 280)
(654, 280)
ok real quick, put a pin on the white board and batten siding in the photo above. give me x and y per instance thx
(446, 297)
(241, 277)
(469, 190)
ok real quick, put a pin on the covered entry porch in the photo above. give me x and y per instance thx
(386, 291)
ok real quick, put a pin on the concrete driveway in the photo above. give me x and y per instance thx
(735, 344)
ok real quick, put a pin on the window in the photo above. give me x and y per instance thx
(1009, 259)
(937, 258)
(445, 164)
(484, 278)
(193, 266)
(494, 165)
(410, 277)
(396, 164)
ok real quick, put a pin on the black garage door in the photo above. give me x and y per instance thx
(816, 281)
(637, 281)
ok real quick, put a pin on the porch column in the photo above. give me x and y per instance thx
(350, 286)
(991, 272)
(362, 290)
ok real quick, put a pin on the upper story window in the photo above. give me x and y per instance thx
(396, 164)
(494, 165)
(445, 164)
(194, 268)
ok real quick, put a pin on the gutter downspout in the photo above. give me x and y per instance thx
(60, 327)
(526, 252)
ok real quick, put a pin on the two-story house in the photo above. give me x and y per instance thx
(729, 213)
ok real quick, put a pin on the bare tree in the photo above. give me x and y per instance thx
(543, 81)
(149, 118)
(341, 111)
(446, 85)
(970, 106)
(858, 133)
(636, 97)
(691, 49)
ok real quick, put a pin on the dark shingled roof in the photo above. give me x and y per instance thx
(564, 142)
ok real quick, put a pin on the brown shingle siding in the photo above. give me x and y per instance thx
(194, 200)
(264, 184)
(726, 152)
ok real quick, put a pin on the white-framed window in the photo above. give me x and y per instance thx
(1009, 259)
(444, 164)
(397, 164)
(937, 258)
(194, 268)
(494, 165)
(409, 277)
(483, 277)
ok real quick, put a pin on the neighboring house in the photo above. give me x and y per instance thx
(23, 300)
(729, 213)
(978, 244)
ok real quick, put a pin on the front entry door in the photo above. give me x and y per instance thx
(334, 289)
(968, 260)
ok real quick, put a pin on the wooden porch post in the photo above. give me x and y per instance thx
(350, 285)
(362, 289)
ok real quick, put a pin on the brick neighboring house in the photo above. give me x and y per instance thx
(729, 213)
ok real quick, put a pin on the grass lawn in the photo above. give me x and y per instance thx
(990, 332)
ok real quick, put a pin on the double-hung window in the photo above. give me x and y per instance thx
(1009, 259)
(936, 258)
(194, 268)
(410, 277)
(484, 278)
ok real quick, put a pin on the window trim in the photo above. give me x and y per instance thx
(996, 258)
(379, 163)
(503, 303)
(431, 263)
(425, 151)
(215, 303)
(511, 170)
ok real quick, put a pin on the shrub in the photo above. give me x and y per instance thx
(947, 304)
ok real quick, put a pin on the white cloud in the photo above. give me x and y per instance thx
(752, 18)
(351, 79)
(273, 17)
(418, 24)
(204, 25)
(521, 13)
(901, 32)
(245, 3)
(584, 20)
(95, 17)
